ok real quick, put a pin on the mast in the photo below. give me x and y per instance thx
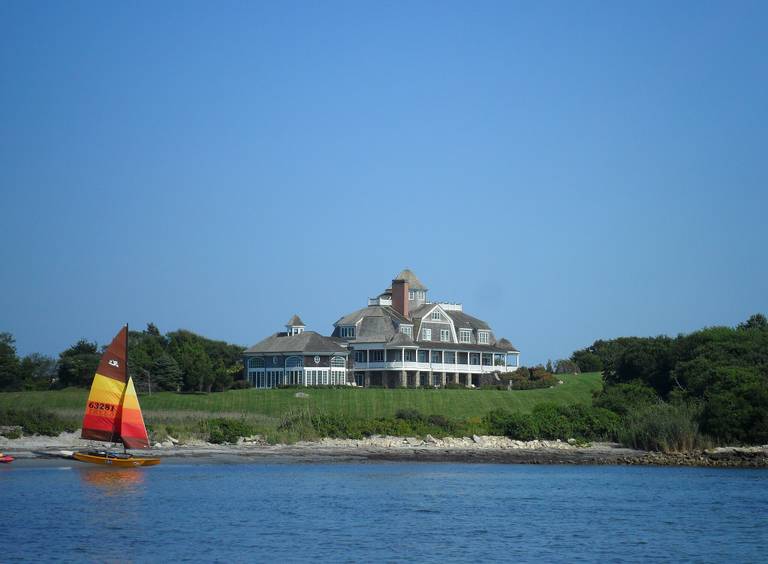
(127, 374)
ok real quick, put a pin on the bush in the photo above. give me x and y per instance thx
(621, 398)
(240, 385)
(36, 421)
(227, 430)
(663, 427)
(550, 421)
(565, 366)
(409, 414)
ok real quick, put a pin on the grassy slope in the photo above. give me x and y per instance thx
(362, 403)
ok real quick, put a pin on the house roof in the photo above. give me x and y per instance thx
(401, 340)
(308, 341)
(371, 311)
(462, 320)
(413, 282)
(295, 321)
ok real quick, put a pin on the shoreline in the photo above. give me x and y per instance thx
(481, 450)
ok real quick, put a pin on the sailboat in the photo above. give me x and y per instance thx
(113, 414)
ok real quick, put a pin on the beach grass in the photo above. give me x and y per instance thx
(351, 402)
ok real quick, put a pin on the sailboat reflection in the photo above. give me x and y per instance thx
(113, 481)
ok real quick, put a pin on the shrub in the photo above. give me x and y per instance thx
(227, 430)
(663, 427)
(409, 414)
(36, 421)
(240, 385)
(620, 398)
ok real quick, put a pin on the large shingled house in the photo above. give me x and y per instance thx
(400, 339)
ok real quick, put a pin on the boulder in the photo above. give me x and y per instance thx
(300, 395)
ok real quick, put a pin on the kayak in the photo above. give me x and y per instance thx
(6, 458)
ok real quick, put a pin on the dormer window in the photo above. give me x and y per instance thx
(483, 337)
(436, 316)
(465, 336)
(406, 330)
(347, 332)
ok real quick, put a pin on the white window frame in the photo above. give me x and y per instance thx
(411, 295)
(445, 335)
(436, 316)
(426, 334)
(338, 362)
(465, 335)
(406, 330)
(483, 337)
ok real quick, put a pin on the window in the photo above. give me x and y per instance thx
(482, 337)
(411, 295)
(410, 355)
(449, 358)
(294, 362)
(436, 316)
(423, 356)
(338, 362)
(465, 335)
(255, 362)
(426, 334)
(406, 330)
(360, 356)
(437, 357)
(445, 335)
(348, 332)
(377, 355)
(474, 358)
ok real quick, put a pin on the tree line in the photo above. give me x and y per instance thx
(716, 378)
(177, 361)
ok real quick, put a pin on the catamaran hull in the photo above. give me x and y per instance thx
(130, 462)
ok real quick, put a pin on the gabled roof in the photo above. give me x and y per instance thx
(305, 342)
(413, 282)
(295, 321)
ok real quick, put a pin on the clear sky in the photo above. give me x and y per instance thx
(567, 170)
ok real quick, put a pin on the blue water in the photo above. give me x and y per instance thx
(382, 512)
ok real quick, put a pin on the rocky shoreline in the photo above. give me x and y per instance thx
(476, 449)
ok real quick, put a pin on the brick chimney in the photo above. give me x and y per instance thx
(400, 297)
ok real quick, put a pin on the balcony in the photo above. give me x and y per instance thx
(428, 366)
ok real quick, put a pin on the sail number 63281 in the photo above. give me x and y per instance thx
(101, 406)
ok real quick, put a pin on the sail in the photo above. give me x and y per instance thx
(102, 412)
(132, 430)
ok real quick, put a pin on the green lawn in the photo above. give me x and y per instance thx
(363, 403)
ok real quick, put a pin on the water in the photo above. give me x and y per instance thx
(382, 512)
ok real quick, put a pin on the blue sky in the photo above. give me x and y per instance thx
(569, 171)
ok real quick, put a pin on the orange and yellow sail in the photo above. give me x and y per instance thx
(113, 413)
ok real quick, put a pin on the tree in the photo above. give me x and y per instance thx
(757, 321)
(37, 371)
(166, 374)
(152, 330)
(587, 361)
(9, 364)
(78, 364)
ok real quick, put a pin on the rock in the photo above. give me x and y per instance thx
(158, 445)
(174, 441)
(430, 439)
(571, 441)
(300, 395)
(477, 439)
(413, 441)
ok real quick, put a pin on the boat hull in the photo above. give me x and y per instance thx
(119, 461)
(6, 459)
